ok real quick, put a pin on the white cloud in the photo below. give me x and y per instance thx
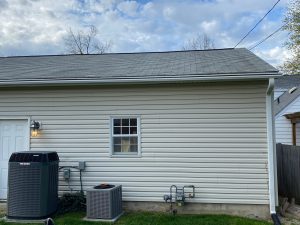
(148, 9)
(128, 7)
(209, 27)
(3, 4)
(169, 12)
(274, 55)
(38, 27)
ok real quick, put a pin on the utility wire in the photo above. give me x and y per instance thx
(257, 24)
(266, 38)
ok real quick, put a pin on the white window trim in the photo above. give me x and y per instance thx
(125, 155)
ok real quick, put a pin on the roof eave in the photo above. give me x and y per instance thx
(185, 79)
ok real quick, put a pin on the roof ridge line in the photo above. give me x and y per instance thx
(120, 53)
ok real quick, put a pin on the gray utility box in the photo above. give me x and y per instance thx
(32, 185)
(104, 202)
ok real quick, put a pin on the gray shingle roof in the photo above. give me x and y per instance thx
(284, 100)
(287, 82)
(134, 67)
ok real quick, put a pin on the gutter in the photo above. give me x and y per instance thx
(272, 160)
(134, 80)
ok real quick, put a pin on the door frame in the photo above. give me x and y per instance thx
(25, 118)
(28, 118)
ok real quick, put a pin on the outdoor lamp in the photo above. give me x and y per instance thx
(35, 126)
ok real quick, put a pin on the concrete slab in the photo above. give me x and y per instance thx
(2, 208)
(104, 220)
(5, 219)
(250, 211)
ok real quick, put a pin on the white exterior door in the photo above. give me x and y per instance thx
(14, 136)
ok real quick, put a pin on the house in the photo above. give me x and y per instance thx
(148, 121)
(285, 83)
(287, 109)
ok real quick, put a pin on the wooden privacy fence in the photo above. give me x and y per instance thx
(288, 171)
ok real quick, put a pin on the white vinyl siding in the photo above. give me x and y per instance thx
(283, 126)
(211, 135)
(283, 129)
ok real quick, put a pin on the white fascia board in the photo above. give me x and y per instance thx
(185, 79)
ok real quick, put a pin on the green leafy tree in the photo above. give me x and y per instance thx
(292, 24)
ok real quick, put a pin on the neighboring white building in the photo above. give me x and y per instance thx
(147, 121)
(285, 83)
(287, 104)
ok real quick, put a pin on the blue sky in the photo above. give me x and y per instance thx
(34, 27)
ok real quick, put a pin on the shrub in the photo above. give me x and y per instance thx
(71, 202)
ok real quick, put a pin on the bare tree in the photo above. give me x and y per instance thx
(85, 42)
(200, 42)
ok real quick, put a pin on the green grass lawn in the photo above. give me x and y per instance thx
(159, 219)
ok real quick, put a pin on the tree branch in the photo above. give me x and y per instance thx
(85, 42)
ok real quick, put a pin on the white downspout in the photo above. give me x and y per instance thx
(272, 161)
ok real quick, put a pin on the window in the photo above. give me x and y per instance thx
(125, 136)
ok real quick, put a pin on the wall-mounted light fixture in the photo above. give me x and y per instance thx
(35, 126)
